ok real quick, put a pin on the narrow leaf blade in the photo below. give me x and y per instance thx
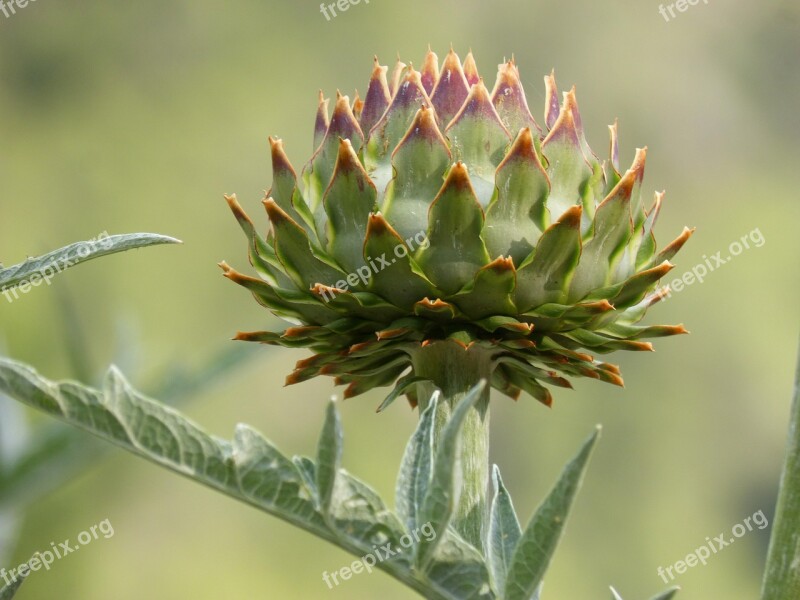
(416, 468)
(667, 595)
(782, 574)
(329, 456)
(504, 533)
(55, 262)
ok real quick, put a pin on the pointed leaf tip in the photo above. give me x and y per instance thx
(471, 69)
(377, 99)
(430, 71)
(458, 178)
(552, 106)
(572, 216)
(329, 455)
(451, 89)
(613, 151)
(397, 73)
(478, 105)
(508, 97)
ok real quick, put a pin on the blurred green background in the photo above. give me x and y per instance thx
(138, 116)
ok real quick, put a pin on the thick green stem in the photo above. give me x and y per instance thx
(782, 575)
(455, 370)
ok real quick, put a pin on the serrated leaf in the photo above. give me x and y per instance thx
(50, 264)
(249, 468)
(358, 513)
(160, 434)
(416, 468)
(329, 455)
(504, 533)
(538, 542)
(266, 478)
(31, 466)
(443, 492)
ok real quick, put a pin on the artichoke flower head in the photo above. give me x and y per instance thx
(435, 210)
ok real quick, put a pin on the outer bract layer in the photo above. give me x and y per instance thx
(434, 209)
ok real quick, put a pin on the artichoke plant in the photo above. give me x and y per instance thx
(435, 213)
(441, 241)
(439, 236)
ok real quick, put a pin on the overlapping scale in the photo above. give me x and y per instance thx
(435, 210)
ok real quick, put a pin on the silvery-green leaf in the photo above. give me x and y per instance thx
(782, 573)
(458, 570)
(48, 265)
(416, 468)
(504, 533)
(667, 595)
(329, 456)
(443, 492)
(358, 513)
(248, 468)
(57, 453)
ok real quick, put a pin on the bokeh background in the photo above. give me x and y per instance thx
(138, 116)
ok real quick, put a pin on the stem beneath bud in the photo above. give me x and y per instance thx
(455, 370)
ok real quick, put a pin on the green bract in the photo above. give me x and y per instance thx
(435, 210)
